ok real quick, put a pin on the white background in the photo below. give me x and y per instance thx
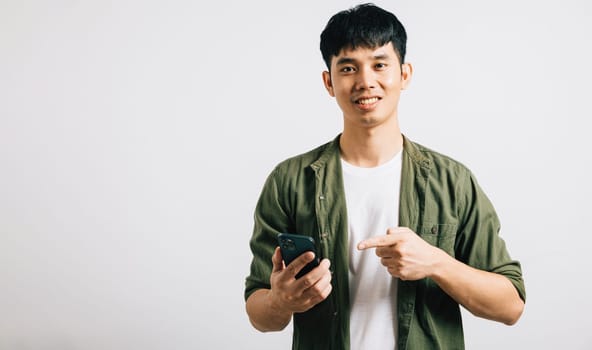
(135, 137)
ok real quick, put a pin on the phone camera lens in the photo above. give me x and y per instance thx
(288, 244)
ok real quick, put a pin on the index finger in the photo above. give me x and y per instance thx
(298, 264)
(378, 241)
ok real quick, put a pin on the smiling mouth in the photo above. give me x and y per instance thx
(367, 101)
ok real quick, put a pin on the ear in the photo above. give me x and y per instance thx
(328, 84)
(406, 73)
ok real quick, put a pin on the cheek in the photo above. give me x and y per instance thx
(392, 83)
(342, 95)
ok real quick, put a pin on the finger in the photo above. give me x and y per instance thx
(387, 262)
(378, 241)
(297, 264)
(277, 261)
(325, 281)
(321, 289)
(327, 291)
(322, 296)
(395, 230)
(386, 252)
(393, 271)
(315, 275)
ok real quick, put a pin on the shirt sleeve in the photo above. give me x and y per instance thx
(271, 218)
(478, 242)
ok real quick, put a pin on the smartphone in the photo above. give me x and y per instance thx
(292, 246)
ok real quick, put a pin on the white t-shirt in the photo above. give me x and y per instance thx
(372, 198)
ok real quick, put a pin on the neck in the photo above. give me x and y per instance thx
(372, 146)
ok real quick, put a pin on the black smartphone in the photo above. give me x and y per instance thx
(292, 246)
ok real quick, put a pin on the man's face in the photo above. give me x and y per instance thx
(367, 83)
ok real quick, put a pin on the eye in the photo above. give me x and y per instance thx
(380, 66)
(347, 69)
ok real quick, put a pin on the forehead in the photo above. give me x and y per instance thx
(362, 53)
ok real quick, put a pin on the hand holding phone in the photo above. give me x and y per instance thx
(292, 246)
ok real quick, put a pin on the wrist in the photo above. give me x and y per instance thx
(440, 264)
(277, 307)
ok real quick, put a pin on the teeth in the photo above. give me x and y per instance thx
(367, 101)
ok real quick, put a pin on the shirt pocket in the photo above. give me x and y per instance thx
(442, 236)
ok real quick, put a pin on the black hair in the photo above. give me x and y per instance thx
(365, 25)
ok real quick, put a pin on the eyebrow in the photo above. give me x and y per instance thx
(344, 60)
(347, 60)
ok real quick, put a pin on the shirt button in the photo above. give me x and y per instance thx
(434, 229)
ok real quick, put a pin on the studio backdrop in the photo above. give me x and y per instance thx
(135, 137)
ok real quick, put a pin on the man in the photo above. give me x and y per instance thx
(406, 234)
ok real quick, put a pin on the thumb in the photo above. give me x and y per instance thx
(276, 259)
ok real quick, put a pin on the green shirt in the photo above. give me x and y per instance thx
(440, 200)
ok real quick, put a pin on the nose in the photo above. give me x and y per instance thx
(365, 79)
